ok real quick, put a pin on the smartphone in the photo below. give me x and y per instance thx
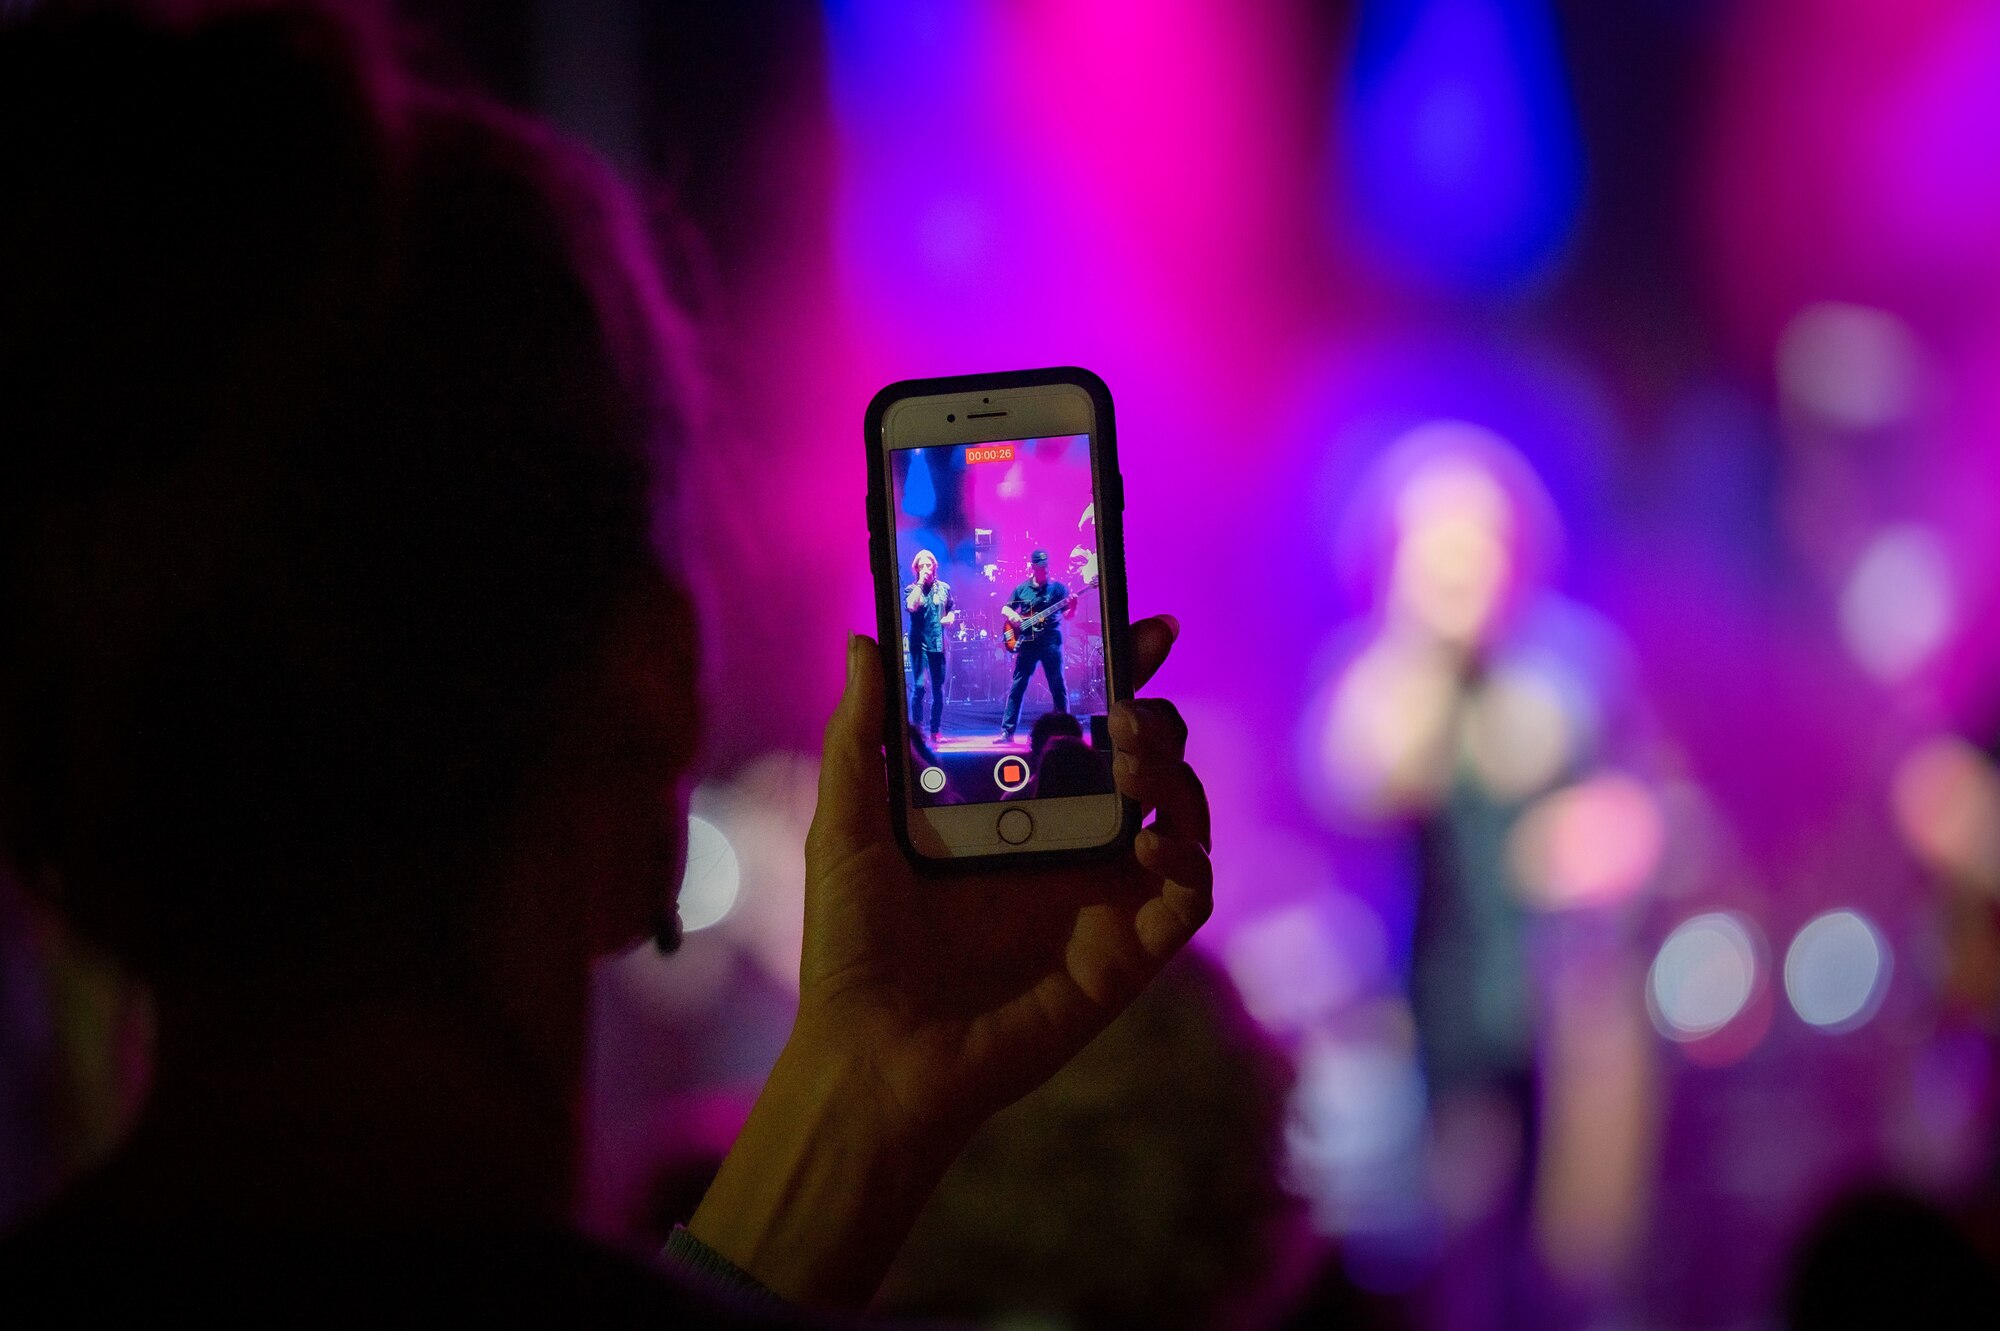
(996, 540)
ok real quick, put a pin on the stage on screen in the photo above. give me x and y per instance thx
(1002, 646)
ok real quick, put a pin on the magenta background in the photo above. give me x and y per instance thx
(1247, 220)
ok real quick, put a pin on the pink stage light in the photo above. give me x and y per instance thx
(1945, 797)
(1596, 842)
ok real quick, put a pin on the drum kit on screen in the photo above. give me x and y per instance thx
(979, 668)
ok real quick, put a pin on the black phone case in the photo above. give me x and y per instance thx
(1107, 484)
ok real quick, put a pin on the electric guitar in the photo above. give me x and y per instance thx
(1017, 636)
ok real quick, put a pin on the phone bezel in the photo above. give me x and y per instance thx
(1039, 403)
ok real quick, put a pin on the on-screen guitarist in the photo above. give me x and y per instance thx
(1041, 647)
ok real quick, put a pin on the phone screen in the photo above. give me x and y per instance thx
(1005, 676)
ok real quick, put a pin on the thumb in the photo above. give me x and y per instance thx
(853, 806)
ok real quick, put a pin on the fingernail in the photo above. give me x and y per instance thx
(1148, 841)
(853, 658)
(1125, 764)
(1173, 628)
(1124, 721)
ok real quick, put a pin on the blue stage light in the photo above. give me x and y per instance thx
(919, 495)
(1463, 167)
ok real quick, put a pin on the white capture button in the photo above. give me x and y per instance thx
(931, 779)
(1016, 826)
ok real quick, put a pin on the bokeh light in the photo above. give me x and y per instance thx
(768, 808)
(1385, 745)
(1703, 976)
(1300, 963)
(713, 878)
(1898, 606)
(1357, 1135)
(1595, 842)
(1519, 733)
(1837, 970)
(1945, 795)
(1848, 366)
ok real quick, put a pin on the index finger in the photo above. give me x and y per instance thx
(1183, 806)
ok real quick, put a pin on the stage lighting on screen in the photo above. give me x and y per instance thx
(919, 494)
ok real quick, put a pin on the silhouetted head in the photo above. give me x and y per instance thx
(1047, 726)
(330, 604)
(1071, 767)
(1884, 1257)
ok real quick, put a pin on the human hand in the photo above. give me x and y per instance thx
(926, 1003)
(963, 992)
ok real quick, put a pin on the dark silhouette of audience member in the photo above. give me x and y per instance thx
(346, 697)
(1070, 767)
(1047, 726)
(1141, 1187)
(1883, 1254)
(1882, 1257)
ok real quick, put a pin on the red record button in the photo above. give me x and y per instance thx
(1011, 773)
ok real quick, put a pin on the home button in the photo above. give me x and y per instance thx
(1016, 826)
